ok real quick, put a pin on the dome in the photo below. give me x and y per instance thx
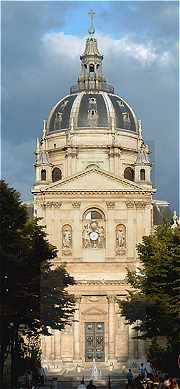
(92, 102)
(92, 109)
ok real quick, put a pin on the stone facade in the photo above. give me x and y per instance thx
(95, 214)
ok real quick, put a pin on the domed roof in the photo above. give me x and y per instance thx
(92, 110)
(92, 102)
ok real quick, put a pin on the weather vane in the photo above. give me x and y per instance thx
(91, 29)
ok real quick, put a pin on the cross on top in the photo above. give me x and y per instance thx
(91, 29)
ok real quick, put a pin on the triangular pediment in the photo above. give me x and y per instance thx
(93, 180)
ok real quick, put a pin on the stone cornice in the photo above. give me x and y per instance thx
(83, 193)
(101, 282)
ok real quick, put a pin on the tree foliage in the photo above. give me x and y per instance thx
(33, 294)
(153, 303)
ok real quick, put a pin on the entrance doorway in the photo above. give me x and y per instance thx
(94, 342)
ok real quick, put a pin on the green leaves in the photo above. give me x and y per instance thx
(33, 295)
(155, 297)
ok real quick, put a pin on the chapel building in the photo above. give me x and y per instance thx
(93, 192)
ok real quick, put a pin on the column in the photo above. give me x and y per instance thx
(52, 345)
(43, 346)
(69, 161)
(77, 331)
(116, 161)
(66, 164)
(131, 230)
(140, 212)
(111, 160)
(56, 345)
(73, 160)
(111, 323)
(131, 343)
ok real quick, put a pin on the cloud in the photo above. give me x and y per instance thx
(68, 46)
(41, 44)
(17, 165)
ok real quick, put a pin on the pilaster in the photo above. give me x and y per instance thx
(111, 325)
(76, 329)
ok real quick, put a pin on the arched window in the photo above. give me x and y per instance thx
(129, 174)
(93, 233)
(56, 174)
(142, 174)
(91, 68)
(43, 175)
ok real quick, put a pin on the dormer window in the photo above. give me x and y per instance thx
(126, 120)
(126, 116)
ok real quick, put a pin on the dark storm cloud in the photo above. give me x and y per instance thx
(40, 63)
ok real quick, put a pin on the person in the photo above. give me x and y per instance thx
(82, 384)
(130, 378)
(142, 370)
(173, 383)
(149, 385)
(91, 385)
(138, 382)
(42, 376)
(149, 370)
(29, 379)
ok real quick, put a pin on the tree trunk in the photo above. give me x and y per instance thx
(12, 359)
(2, 364)
(14, 343)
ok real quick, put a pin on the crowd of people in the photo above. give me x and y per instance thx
(33, 379)
(89, 386)
(149, 378)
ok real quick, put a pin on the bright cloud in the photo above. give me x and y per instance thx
(69, 46)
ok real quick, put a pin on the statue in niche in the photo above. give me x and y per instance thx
(120, 239)
(58, 121)
(67, 239)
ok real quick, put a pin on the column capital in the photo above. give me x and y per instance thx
(111, 299)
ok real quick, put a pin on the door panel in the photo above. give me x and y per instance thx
(94, 342)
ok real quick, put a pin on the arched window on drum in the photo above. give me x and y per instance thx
(56, 174)
(129, 174)
(93, 233)
(43, 175)
(142, 174)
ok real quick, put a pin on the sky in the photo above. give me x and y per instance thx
(40, 49)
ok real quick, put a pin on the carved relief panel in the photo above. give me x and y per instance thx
(120, 239)
(66, 239)
(93, 229)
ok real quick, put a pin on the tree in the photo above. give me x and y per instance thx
(33, 296)
(153, 302)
